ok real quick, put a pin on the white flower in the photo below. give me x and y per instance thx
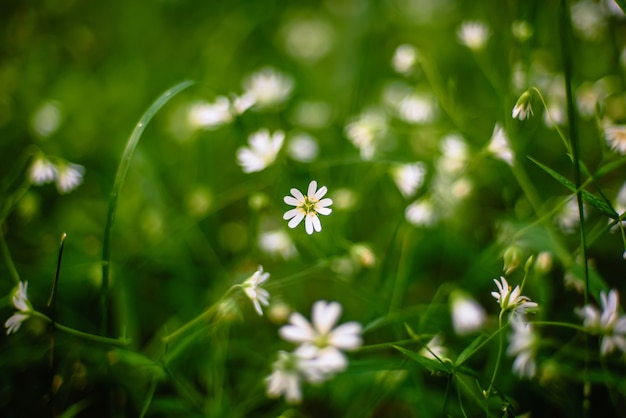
(210, 115)
(511, 299)
(21, 303)
(366, 131)
(467, 314)
(404, 59)
(615, 136)
(42, 171)
(267, 88)
(454, 154)
(416, 109)
(288, 372)
(69, 177)
(253, 289)
(320, 334)
(499, 145)
(303, 147)
(277, 242)
(609, 322)
(421, 213)
(262, 151)
(307, 207)
(522, 343)
(473, 35)
(409, 177)
(434, 349)
(523, 108)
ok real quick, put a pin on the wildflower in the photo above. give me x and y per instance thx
(421, 213)
(21, 303)
(522, 344)
(609, 322)
(409, 177)
(499, 145)
(523, 108)
(416, 109)
(588, 19)
(615, 136)
(42, 171)
(434, 349)
(289, 370)
(454, 154)
(253, 289)
(473, 35)
(307, 207)
(302, 147)
(210, 115)
(321, 335)
(277, 242)
(366, 131)
(267, 88)
(404, 59)
(511, 299)
(262, 151)
(467, 314)
(69, 177)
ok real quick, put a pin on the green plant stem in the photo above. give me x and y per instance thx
(8, 259)
(149, 397)
(120, 176)
(385, 346)
(119, 342)
(500, 347)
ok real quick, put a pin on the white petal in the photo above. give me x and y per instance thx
(291, 201)
(299, 330)
(297, 194)
(324, 202)
(296, 220)
(346, 336)
(308, 225)
(323, 211)
(312, 189)
(325, 315)
(316, 222)
(321, 192)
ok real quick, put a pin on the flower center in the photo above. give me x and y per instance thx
(309, 206)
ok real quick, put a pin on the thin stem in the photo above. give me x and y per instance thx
(149, 397)
(500, 347)
(120, 342)
(7, 258)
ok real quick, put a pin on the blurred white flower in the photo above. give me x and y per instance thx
(608, 323)
(434, 349)
(522, 344)
(523, 108)
(307, 207)
(473, 35)
(499, 145)
(266, 88)
(454, 154)
(511, 299)
(404, 59)
(588, 19)
(47, 119)
(421, 213)
(69, 176)
(615, 136)
(366, 131)
(42, 171)
(330, 342)
(408, 177)
(302, 147)
(468, 315)
(262, 151)
(253, 289)
(277, 242)
(210, 115)
(308, 39)
(416, 109)
(21, 303)
(289, 370)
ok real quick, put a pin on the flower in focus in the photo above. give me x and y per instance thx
(473, 35)
(42, 171)
(609, 323)
(265, 88)
(409, 177)
(308, 207)
(499, 145)
(615, 136)
(523, 108)
(69, 176)
(404, 59)
(253, 289)
(467, 314)
(262, 151)
(210, 115)
(511, 299)
(21, 303)
(522, 344)
(329, 341)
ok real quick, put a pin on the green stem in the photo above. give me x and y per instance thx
(384, 346)
(120, 342)
(7, 258)
(120, 176)
(500, 347)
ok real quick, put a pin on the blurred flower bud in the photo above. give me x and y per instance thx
(512, 259)
(544, 262)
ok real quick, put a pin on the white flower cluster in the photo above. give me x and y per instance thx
(609, 322)
(21, 303)
(320, 352)
(67, 176)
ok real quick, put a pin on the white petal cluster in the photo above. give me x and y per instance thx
(210, 115)
(252, 288)
(499, 145)
(21, 303)
(473, 35)
(468, 315)
(409, 177)
(522, 344)
(68, 176)
(366, 131)
(308, 207)
(511, 299)
(262, 152)
(522, 108)
(615, 136)
(42, 171)
(609, 322)
(404, 59)
(265, 88)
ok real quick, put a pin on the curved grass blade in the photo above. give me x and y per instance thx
(120, 176)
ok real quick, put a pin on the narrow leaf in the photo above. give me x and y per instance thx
(430, 364)
(469, 351)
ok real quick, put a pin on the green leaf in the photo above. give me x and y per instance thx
(469, 351)
(430, 364)
(621, 4)
(593, 200)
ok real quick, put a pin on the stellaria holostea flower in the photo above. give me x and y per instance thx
(308, 207)
(421, 212)
(330, 342)
(615, 136)
(69, 176)
(262, 151)
(467, 314)
(473, 35)
(210, 115)
(42, 171)
(523, 108)
(409, 177)
(522, 344)
(253, 289)
(21, 303)
(404, 59)
(609, 323)
(289, 370)
(277, 243)
(511, 299)
(499, 145)
(366, 131)
(266, 88)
